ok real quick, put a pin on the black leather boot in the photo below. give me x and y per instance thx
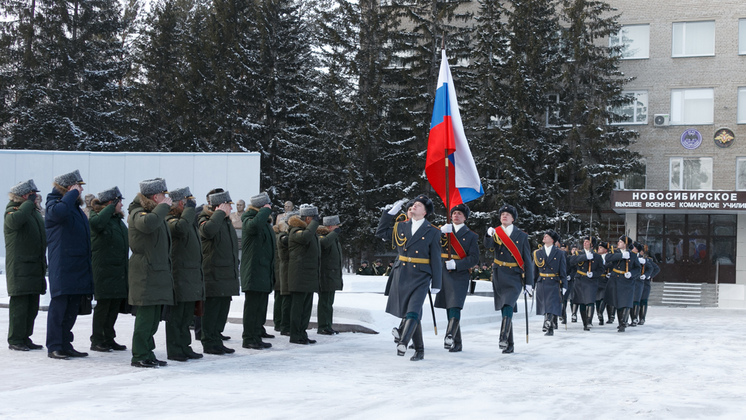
(574, 312)
(419, 344)
(396, 331)
(622, 325)
(610, 311)
(643, 313)
(450, 332)
(589, 314)
(510, 347)
(554, 322)
(600, 307)
(456, 347)
(410, 325)
(584, 317)
(563, 317)
(633, 314)
(548, 324)
(504, 326)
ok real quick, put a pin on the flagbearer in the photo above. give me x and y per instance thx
(460, 253)
(550, 279)
(510, 274)
(417, 269)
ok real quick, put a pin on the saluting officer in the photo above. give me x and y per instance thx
(588, 267)
(625, 267)
(550, 279)
(460, 253)
(417, 269)
(512, 271)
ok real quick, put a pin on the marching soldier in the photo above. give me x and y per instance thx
(189, 285)
(569, 282)
(649, 270)
(588, 267)
(26, 264)
(625, 267)
(418, 268)
(603, 252)
(460, 253)
(512, 271)
(550, 279)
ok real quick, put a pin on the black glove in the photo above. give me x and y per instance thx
(191, 203)
(31, 197)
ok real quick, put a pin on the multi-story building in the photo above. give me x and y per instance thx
(689, 62)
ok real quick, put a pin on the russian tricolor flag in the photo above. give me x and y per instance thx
(447, 138)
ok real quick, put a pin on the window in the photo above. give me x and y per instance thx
(636, 111)
(634, 40)
(741, 174)
(741, 105)
(693, 39)
(556, 112)
(742, 36)
(690, 173)
(692, 106)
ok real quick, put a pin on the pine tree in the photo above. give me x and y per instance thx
(597, 151)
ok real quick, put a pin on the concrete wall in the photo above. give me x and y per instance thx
(236, 172)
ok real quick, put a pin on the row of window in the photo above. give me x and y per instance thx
(688, 173)
(688, 39)
(688, 107)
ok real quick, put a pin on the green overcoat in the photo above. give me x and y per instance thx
(219, 254)
(258, 251)
(150, 278)
(110, 251)
(25, 249)
(331, 260)
(186, 255)
(305, 252)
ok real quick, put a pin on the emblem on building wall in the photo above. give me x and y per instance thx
(691, 139)
(724, 137)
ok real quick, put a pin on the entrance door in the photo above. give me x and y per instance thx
(691, 248)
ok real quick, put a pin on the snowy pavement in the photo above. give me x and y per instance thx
(684, 363)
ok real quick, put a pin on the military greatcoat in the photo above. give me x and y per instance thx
(456, 282)
(585, 288)
(623, 286)
(507, 276)
(550, 277)
(412, 276)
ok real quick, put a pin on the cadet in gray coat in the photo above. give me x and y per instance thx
(460, 253)
(625, 267)
(550, 279)
(512, 270)
(588, 267)
(417, 269)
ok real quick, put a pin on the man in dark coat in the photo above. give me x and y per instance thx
(588, 267)
(649, 270)
(220, 266)
(110, 259)
(303, 271)
(460, 253)
(417, 269)
(330, 274)
(512, 270)
(70, 271)
(603, 252)
(257, 269)
(550, 277)
(283, 257)
(365, 269)
(26, 264)
(151, 283)
(189, 285)
(625, 267)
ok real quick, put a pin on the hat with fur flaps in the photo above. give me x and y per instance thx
(307, 210)
(463, 208)
(110, 195)
(604, 245)
(594, 241)
(260, 200)
(331, 220)
(220, 198)
(25, 187)
(427, 202)
(507, 208)
(180, 194)
(627, 241)
(554, 235)
(69, 179)
(153, 186)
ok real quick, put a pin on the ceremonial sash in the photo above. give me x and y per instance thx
(456, 245)
(510, 245)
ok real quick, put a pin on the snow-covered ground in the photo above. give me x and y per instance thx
(684, 363)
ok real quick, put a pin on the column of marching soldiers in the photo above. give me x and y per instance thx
(184, 268)
(172, 261)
